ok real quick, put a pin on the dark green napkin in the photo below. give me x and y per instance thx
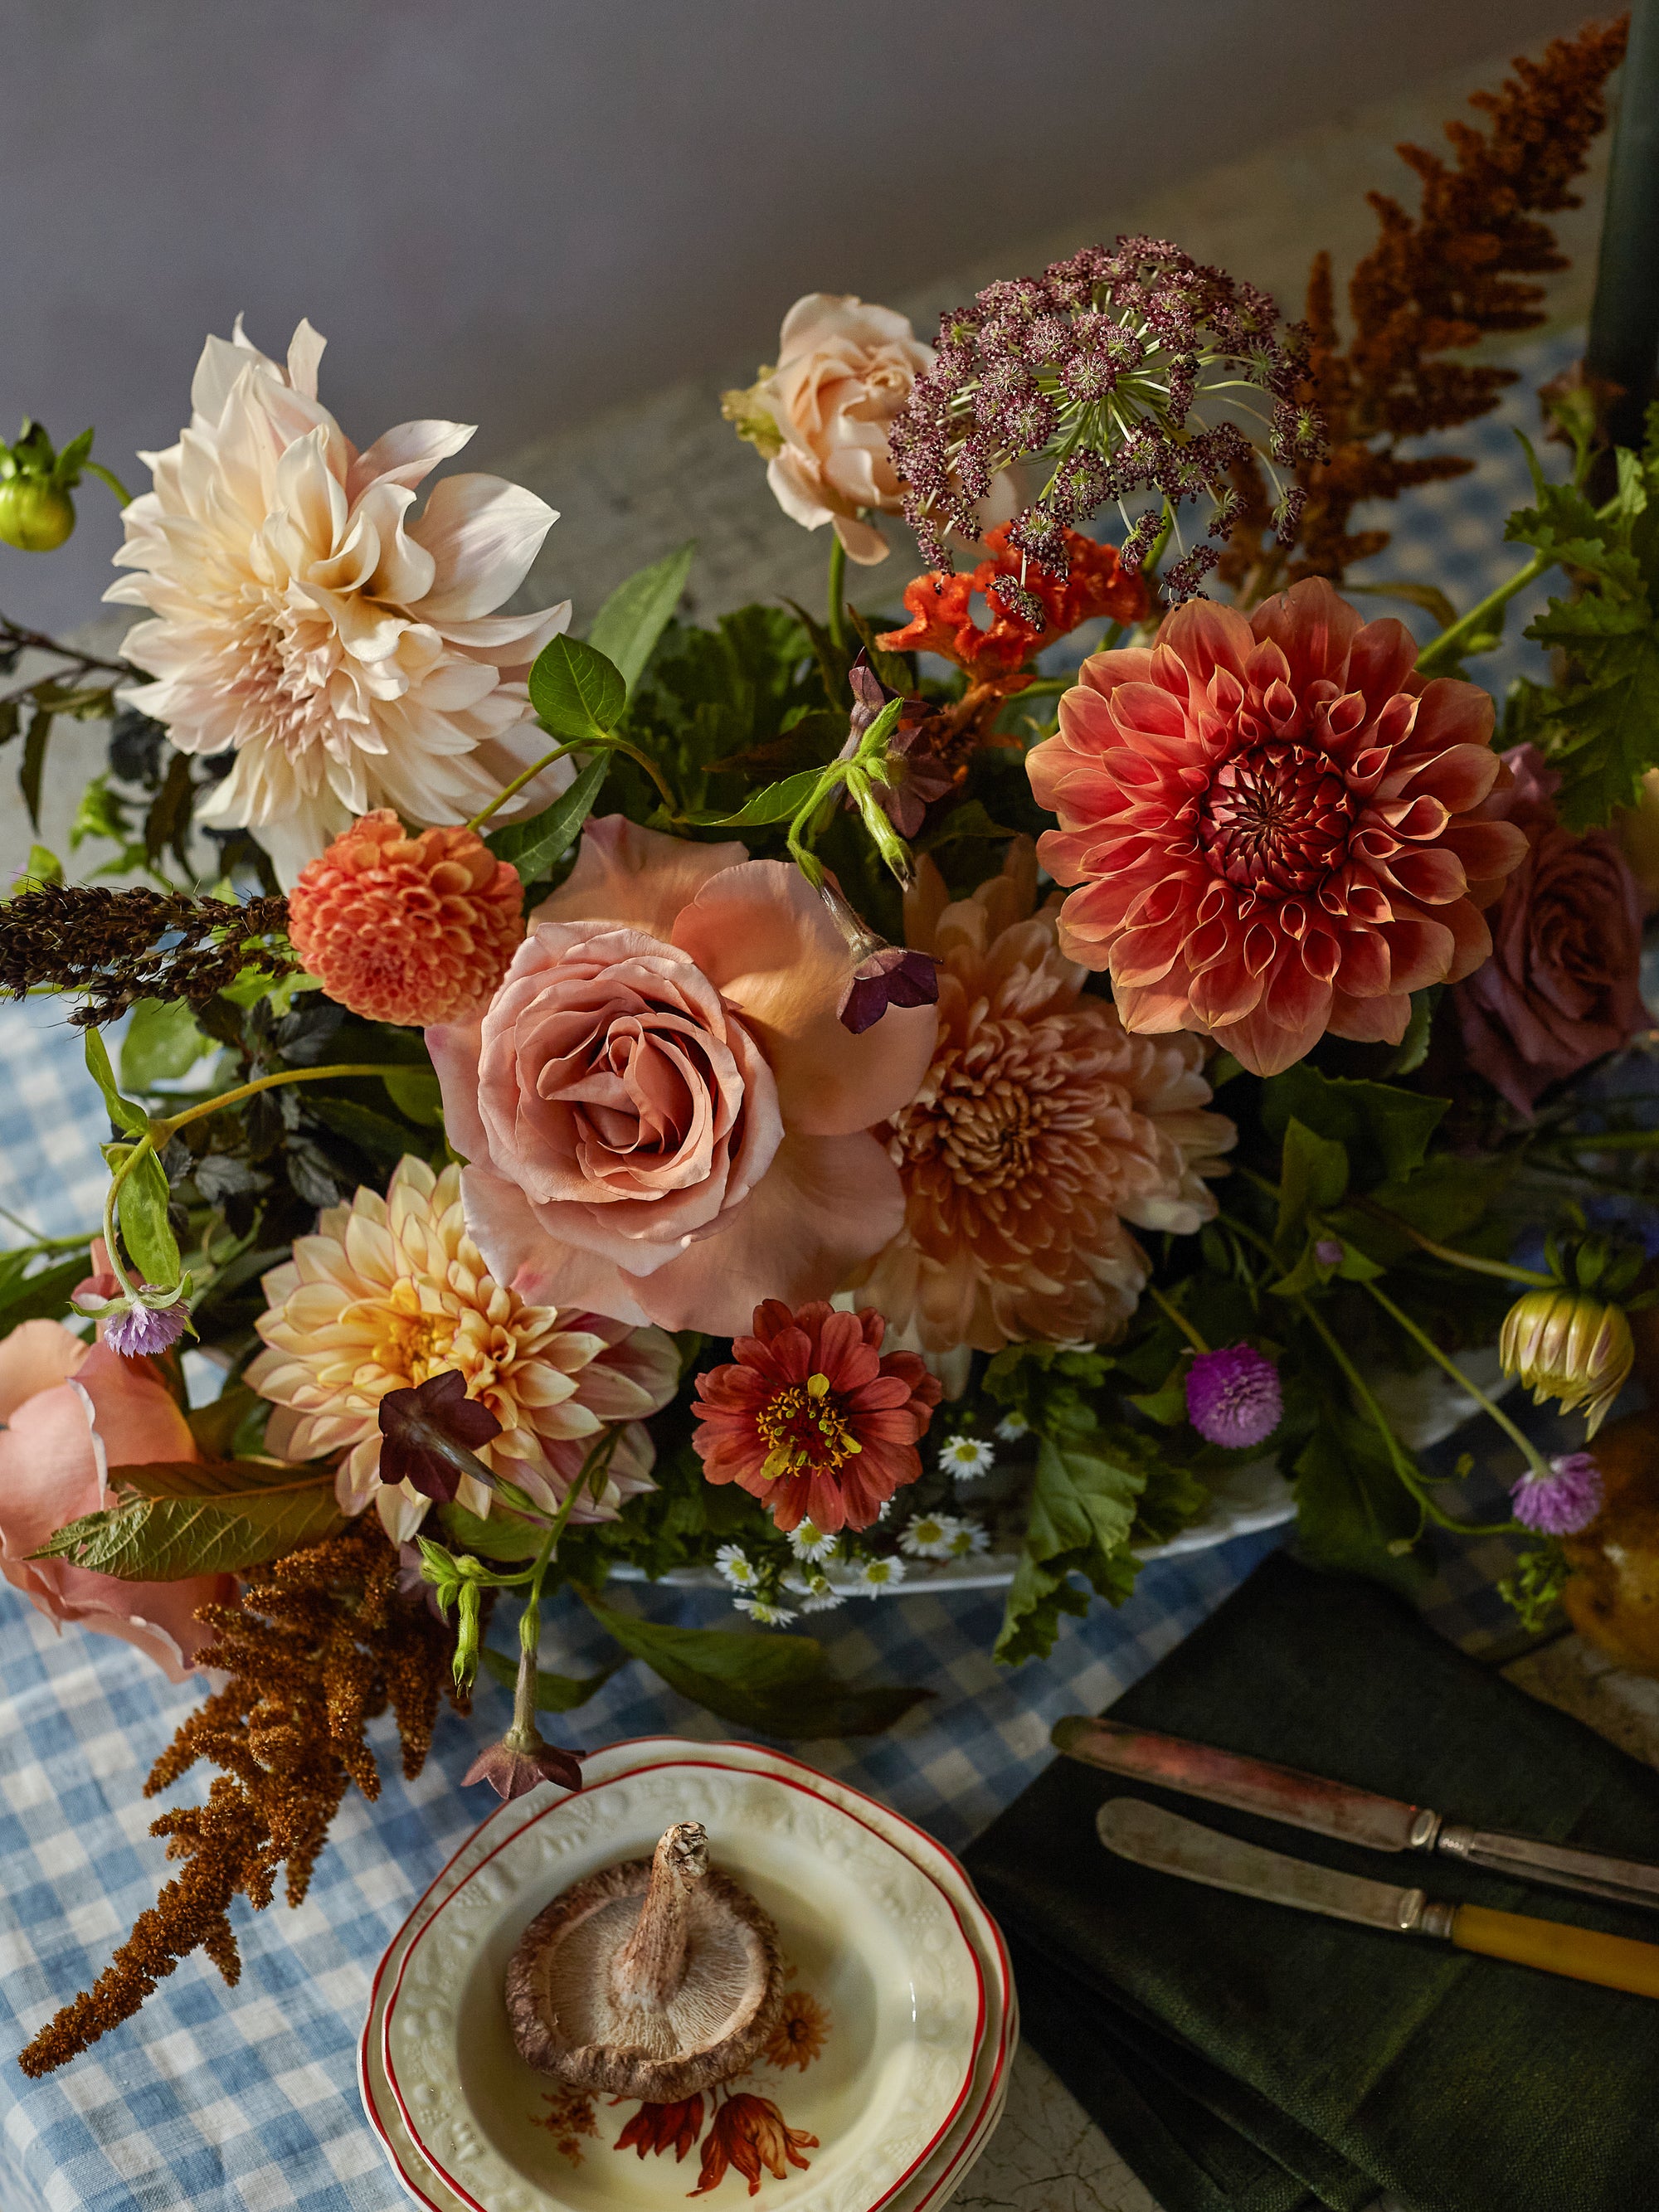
(1245, 2058)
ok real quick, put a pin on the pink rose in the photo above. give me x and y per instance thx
(1560, 989)
(664, 1119)
(73, 1411)
(844, 371)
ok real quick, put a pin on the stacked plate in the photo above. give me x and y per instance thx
(879, 2088)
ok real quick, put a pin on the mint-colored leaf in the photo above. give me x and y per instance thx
(163, 1540)
(773, 802)
(555, 1694)
(632, 619)
(533, 846)
(163, 1041)
(1385, 1131)
(575, 690)
(781, 1685)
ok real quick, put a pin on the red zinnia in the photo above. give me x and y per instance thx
(941, 621)
(811, 1419)
(1278, 825)
(413, 930)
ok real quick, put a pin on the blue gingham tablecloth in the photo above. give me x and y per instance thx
(247, 2098)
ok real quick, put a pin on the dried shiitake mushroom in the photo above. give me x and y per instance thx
(652, 1980)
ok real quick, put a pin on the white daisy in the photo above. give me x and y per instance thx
(877, 1574)
(816, 1593)
(931, 1536)
(967, 1539)
(808, 1542)
(967, 1457)
(1012, 1427)
(733, 1565)
(765, 1611)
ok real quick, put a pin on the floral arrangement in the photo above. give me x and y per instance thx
(805, 1098)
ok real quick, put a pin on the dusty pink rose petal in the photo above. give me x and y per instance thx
(1561, 987)
(72, 1412)
(665, 1120)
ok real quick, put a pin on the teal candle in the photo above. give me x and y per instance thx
(1624, 337)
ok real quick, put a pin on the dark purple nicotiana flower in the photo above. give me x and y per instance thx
(432, 1434)
(1233, 1396)
(890, 977)
(512, 1767)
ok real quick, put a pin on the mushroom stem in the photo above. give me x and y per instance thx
(650, 1967)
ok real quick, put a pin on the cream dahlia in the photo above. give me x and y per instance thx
(1040, 1129)
(391, 1291)
(1276, 825)
(348, 656)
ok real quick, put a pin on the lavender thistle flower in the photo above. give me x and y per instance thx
(1564, 1500)
(1233, 1396)
(141, 1329)
(1104, 364)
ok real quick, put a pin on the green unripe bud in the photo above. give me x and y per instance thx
(36, 515)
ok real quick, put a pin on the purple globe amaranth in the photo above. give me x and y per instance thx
(1233, 1396)
(141, 1329)
(1564, 1501)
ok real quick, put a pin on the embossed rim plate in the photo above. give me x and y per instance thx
(974, 2127)
(911, 1949)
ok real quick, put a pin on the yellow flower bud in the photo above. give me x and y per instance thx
(752, 419)
(1568, 1344)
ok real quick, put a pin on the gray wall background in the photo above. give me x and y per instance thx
(519, 213)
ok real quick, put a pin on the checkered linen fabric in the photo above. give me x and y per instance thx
(245, 2099)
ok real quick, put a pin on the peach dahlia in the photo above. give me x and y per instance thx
(1275, 826)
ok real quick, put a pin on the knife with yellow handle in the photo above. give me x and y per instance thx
(1153, 1838)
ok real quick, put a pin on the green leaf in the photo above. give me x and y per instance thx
(42, 1295)
(780, 1685)
(575, 690)
(1428, 597)
(415, 1091)
(142, 1208)
(42, 869)
(1385, 1131)
(555, 1694)
(969, 820)
(634, 617)
(1082, 1514)
(163, 1041)
(497, 1536)
(122, 1111)
(230, 1424)
(33, 764)
(164, 1539)
(1352, 1507)
(1414, 1045)
(168, 823)
(1313, 1176)
(383, 1140)
(773, 802)
(533, 846)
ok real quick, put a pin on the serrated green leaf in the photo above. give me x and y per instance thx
(629, 624)
(1081, 1516)
(225, 1480)
(575, 690)
(781, 1685)
(1385, 1131)
(532, 847)
(163, 1041)
(163, 1540)
(773, 802)
(1313, 1176)
(555, 1694)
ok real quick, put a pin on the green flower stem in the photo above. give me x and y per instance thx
(1447, 649)
(838, 590)
(1505, 1269)
(108, 476)
(1172, 1312)
(162, 1130)
(512, 790)
(1533, 1458)
(1610, 1140)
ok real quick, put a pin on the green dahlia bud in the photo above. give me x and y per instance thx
(36, 515)
(1568, 1344)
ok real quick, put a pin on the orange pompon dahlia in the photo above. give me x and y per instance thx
(810, 1418)
(413, 930)
(1041, 1132)
(1029, 608)
(1277, 827)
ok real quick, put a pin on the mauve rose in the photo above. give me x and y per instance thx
(73, 1411)
(665, 1120)
(1560, 989)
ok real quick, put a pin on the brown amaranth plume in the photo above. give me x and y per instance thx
(318, 1644)
(1433, 284)
(118, 946)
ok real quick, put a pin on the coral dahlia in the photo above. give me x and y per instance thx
(407, 929)
(391, 1292)
(1276, 825)
(811, 1419)
(1042, 1129)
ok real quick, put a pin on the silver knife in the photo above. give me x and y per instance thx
(1164, 1841)
(1336, 1809)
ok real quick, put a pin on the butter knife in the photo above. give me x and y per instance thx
(1336, 1809)
(1164, 1841)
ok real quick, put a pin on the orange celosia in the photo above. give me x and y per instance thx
(413, 930)
(942, 623)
